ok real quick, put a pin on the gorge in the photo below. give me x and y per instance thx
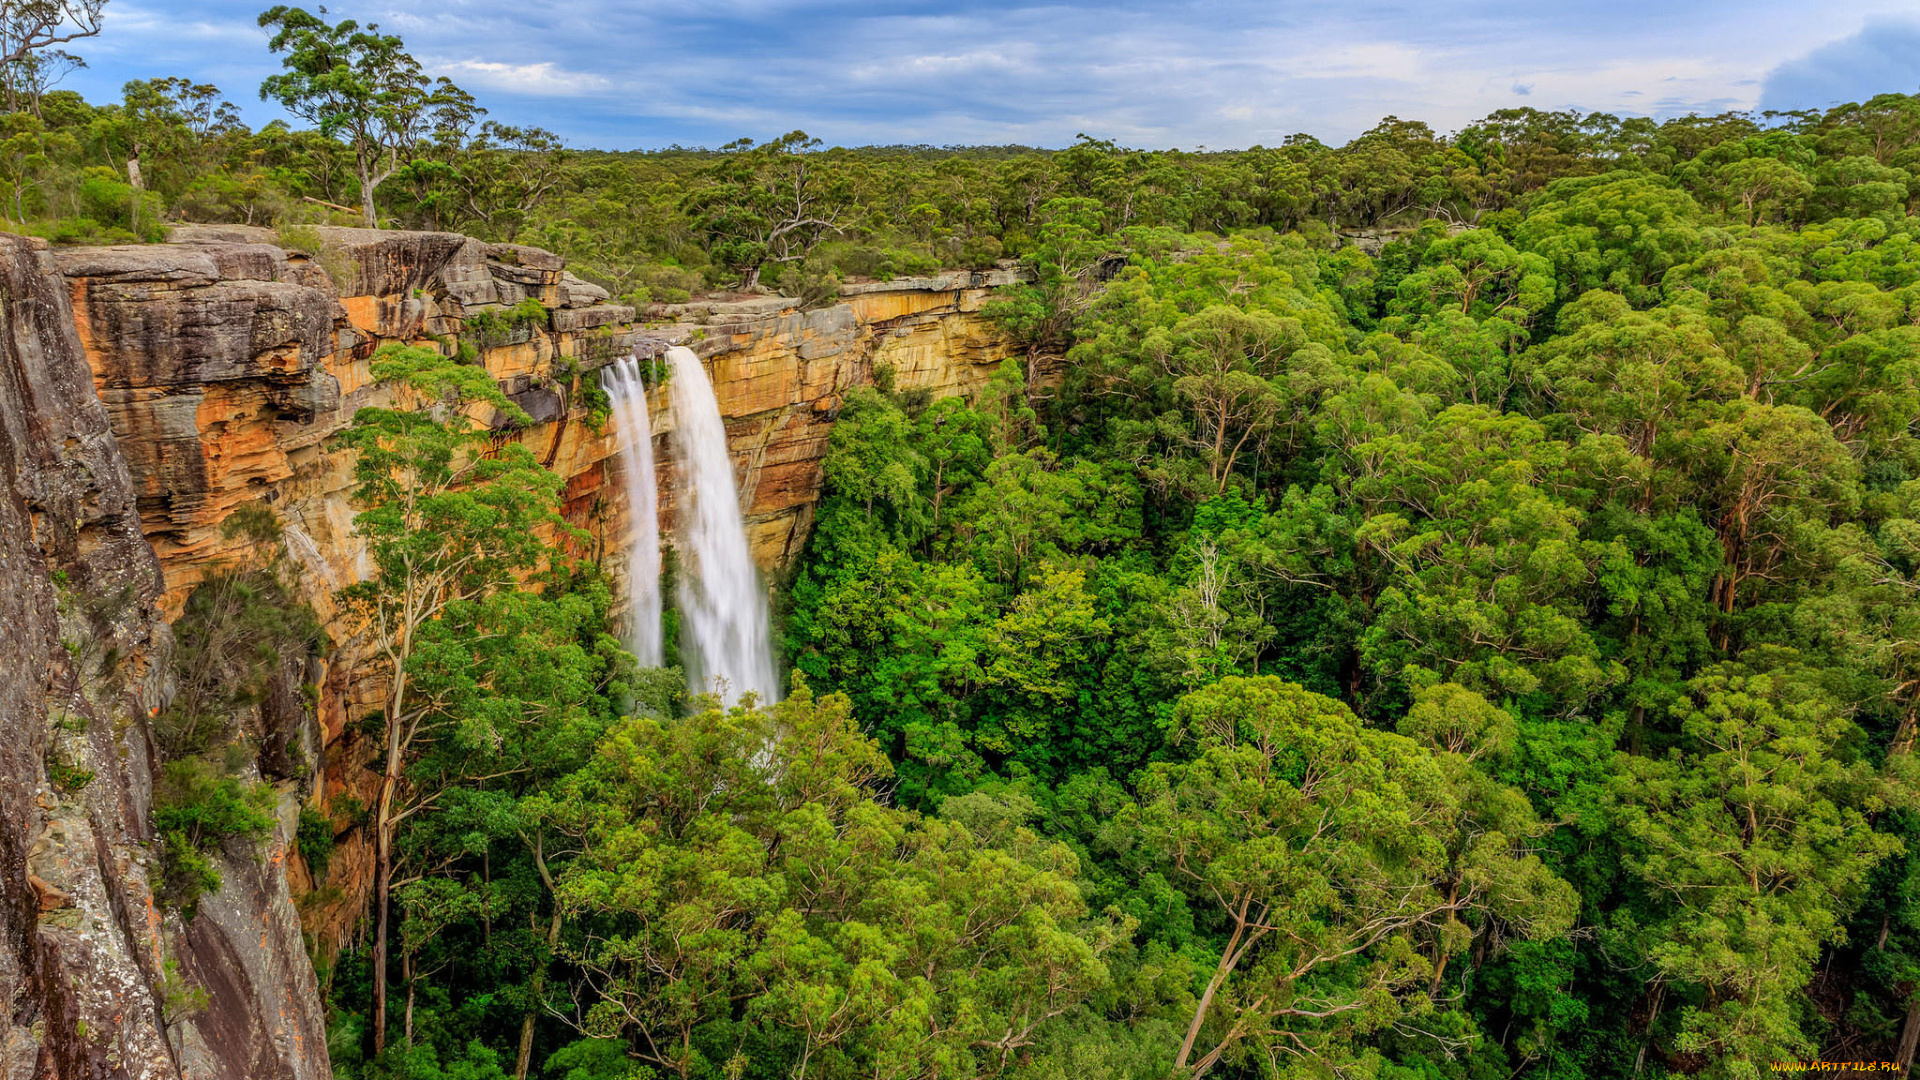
(154, 391)
(1441, 606)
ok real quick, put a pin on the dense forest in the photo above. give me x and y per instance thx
(1441, 606)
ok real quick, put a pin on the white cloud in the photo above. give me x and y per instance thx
(544, 79)
(1147, 72)
(942, 66)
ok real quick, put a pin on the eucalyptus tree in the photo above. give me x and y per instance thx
(361, 86)
(768, 203)
(1344, 863)
(465, 648)
(32, 26)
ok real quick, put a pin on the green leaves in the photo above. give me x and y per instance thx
(1482, 568)
(1333, 853)
(773, 202)
(197, 808)
(871, 460)
(1618, 232)
(1763, 186)
(1480, 275)
(739, 855)
(360, 86)
(1754, 835)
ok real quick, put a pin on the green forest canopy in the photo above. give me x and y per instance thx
(1487, 651)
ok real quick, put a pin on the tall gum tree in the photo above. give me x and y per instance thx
(449, 523)
(359, 85)
(1753, 836)
(1340, 861)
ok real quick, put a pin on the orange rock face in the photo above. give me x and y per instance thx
(780, 375)
(227, 364)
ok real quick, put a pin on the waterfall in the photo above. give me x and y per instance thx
(726, 644)
(629, 396)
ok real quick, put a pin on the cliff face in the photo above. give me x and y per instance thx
(146, 393)
(226, 362)
(95, 981)
(781, 374)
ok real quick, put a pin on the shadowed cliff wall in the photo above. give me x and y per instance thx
(86, 959)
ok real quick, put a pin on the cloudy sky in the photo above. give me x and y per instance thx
(626, 74)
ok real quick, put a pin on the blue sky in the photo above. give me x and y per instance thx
(626, 74)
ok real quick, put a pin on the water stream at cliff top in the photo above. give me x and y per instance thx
(726, 642)
(628, 392)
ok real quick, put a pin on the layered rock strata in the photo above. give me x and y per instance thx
(781, 375)
(227, 363)
(96, 981)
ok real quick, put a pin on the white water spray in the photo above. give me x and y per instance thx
(629, 397)
(726, 643)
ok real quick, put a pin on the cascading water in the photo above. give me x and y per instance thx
(628, 393)
(726, 644)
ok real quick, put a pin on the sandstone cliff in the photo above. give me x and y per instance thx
(95, 981)
(780, 374)
(228, 361)
(221, 366)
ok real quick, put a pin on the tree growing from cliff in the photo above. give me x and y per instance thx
(359, 85)
(454, 527)
(1039, 313)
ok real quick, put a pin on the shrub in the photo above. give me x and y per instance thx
(308, 240)
(498, 327)
(314, 837)
(244, 199)
(117, 206)
(238, 627)
(982, 252)
(179, 997)
(196, 808)
(859, 260)
(815, 282)
(64, 775)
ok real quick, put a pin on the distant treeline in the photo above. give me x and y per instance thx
(791, 214)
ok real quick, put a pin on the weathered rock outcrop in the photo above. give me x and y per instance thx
(226, 363)
(96, 982)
